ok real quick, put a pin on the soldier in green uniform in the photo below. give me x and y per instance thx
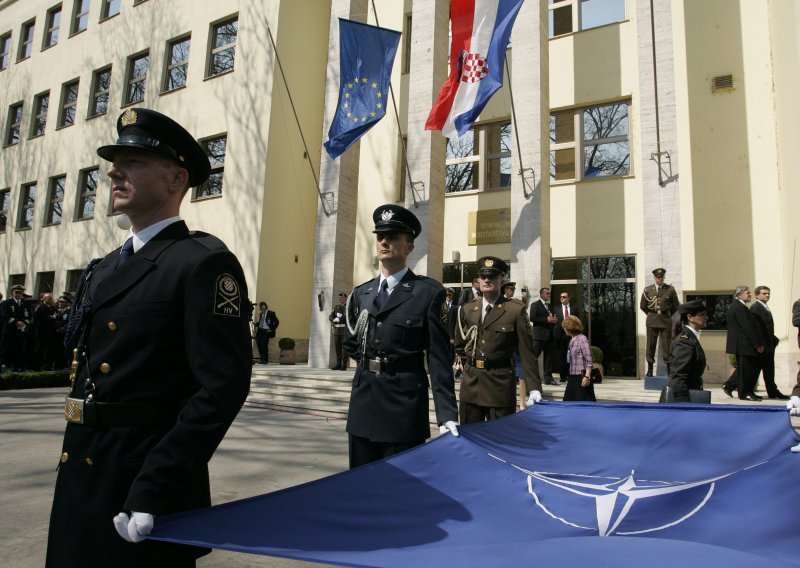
(659, 301)
(489, 329)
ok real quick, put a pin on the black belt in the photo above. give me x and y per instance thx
(486, 364)
(91, 413)
(385, 366)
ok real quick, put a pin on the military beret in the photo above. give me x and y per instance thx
(692, 308)
(491, 265)
(395, 219)
(659, 272)
(151, 131)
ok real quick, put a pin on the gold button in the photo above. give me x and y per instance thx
(112, 326)
(89, 461)
(64, 457)
(105, 368)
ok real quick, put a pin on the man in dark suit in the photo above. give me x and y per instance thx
(544, 319)
(494, 328)
(394, 321)
(161, 361)
(338, 326)
(659, 301)
(266, 326)
(16, 317)
(470, 293)
(746, 341)
(560, 338)
(767, 359)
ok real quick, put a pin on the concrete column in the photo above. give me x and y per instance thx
(530, 193)
(426, 149)
(661, 206)
(336, 216)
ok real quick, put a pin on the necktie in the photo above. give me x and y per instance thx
(488, 309)
(126, 252)
(383, 294)
(566, 312)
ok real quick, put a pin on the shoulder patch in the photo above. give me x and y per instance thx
(227, 296)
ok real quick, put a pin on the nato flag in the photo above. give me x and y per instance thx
(365, 69)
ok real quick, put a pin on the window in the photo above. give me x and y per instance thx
(451, 275)
(137, 2)
(110, 8)
(101, 82)
(223, 47)
(5, 50)
(215, 148)
(137, 78)
(73, 276)
(567, 16)
(80, 16)
(45, 281)
(53, 26)
(14, 124)
(26, 40)
(55, 200)
(603, 149)
(177, 63)
(717, 304)
(87, 183)
(69, 103)
(40, 104)
(5, 205)
(402, 172)
(480, 159)
(27, 203)
(15, 280)
(407, 46)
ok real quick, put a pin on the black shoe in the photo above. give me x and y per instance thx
(778, 396)
(551, 383)
(751, 398)
(727, 391)
(649, 373)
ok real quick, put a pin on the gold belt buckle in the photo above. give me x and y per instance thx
(479, 364)
(73, 410)
(659, 312)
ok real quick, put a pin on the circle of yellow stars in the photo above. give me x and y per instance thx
(349, 89)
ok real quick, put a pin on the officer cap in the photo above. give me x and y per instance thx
(342, 295)
(392, 218)
(491, 265)
(692, 308)
(18, 287)
(450, 291)
(65, 298)
(151, 131)
(508, 284)
(659, 272)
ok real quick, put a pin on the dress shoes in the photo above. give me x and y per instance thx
(778, 396)
(751, 398)
(727, 391)
(551, 382)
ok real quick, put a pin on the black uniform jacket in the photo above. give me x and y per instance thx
(687, 364)
(504, 331)
(169, 330)
(393, 407)
(13, 313)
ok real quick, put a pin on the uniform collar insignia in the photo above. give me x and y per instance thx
(406, 285)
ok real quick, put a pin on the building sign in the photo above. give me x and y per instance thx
(490, 226)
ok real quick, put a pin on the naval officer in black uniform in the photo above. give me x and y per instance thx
(161, 362)
(394, 321)
(687, 358)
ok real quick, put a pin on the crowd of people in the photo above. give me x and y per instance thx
(32, 334)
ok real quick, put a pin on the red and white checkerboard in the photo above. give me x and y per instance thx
(475, 68)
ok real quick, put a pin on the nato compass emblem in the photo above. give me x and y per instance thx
(618, 505)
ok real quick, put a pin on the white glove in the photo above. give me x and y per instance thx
(794, 407)
(451, 427)
(533, 398)
(336, 319)
(796, 449)
(135, 528)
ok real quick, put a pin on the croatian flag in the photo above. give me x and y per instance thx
(481, 30)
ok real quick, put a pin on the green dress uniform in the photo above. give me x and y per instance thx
(658, 305)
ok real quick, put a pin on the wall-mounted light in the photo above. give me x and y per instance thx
(321, 300)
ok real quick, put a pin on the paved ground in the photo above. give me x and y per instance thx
(264, 451)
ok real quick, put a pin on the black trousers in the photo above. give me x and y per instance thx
(262, 341)
(363, 451)
(747, 374)
(766, 365)
(546, 347)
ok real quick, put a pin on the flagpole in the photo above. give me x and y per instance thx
(297, 120)
(397, 119)
(522, 170)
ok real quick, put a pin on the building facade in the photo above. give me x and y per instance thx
(629, 135)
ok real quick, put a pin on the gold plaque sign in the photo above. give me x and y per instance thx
(490, 226)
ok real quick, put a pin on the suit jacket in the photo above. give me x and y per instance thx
(542, 329)
(272, 322)
(504, 330)
(393, 407)
(660, 306)
(169, 329)
(467, 296)
(796, 319)
(744, 331)
(558, 332)
(764, 318)
(687, 365)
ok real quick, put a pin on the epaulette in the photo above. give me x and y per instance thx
(207, 240)
(684, 335)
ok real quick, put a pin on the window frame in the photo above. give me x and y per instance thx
(83, 194)
(130, 80)
(5, 208)
(79, 17)
(214, 51)
(217, 169)
(169, 66)
(27, 206)
(5, 56)
(55, 201)
(105, 9)
(24, 43)
(52, 30)
(39, 115)
(68, 106)
(576, 17)
(480, 157)
(12, 126)
(97, 94)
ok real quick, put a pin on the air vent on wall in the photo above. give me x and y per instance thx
(722, 83)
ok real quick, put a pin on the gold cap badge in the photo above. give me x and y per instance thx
(128, 117)
(488, 263)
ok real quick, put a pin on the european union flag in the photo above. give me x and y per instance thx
(365, 69)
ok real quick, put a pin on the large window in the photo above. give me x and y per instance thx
(45, 281)
(223, 47)
(53, 26)
(26, 40)
(480, 159)
(69, 103)
(717, 304)
(39, 120)
(27, 204)
(5, 50)
(87, 186)
(215, 148)
(101, 83)
(110, 8)
(13, 124)
(602, 148)
(55, 200)
(177, 63)
(406, 63)
(5, 205)
(567, 16)
(137, 78)
(80, 16)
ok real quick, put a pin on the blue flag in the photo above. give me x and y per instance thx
(559, 484)
(365, 70)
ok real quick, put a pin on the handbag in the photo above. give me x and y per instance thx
(597, 376)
